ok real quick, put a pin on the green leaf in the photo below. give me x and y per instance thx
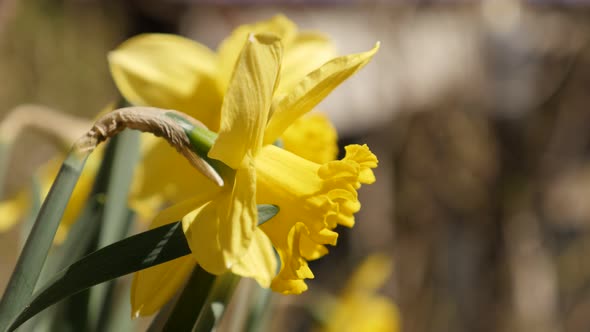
(191, 301)
(36, 201)
(135, 253)
(260, 311)
(266, 212)
(115, 219)
(5, 151)
(120, 310)
(81, 238)
(30, 263)
(80, 241)
(126, 155)
(217, 301)
(159, 321)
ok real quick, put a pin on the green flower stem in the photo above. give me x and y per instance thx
(202, 140)
(259, 314)
(32, 258)
(217, 302)
(191, 301)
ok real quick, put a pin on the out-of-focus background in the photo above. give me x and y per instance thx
(479, 112)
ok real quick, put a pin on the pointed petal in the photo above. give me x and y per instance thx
(313, 89)
(307, 52)
(259, 262)
(153, 287)
(201, 229)
(247, 102)
(220, 233)
(229, 50)
(160, 70)
(178, 211)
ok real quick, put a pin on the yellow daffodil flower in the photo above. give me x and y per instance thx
(221, 223)
(173, 72)
(360, 308)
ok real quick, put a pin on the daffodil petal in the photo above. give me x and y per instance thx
(229, 50)
(312, 137)
(247, 102)
(220, 233)
(160, 69)
(178, 211)
(312, 89)
(153, 287)
(259, 262)
(307, 52)
(200, 228)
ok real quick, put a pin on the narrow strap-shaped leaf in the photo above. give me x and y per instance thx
(260, 310)
(30, 263)
(80, 241)
(159, 321)
(125, 157)
(132, 254)
(5, 150)
(266, 212)
(217, 302)
(115, 221)
(81, 237)
(191, 301)
(36, 201)
(135, 253)
(120, 308)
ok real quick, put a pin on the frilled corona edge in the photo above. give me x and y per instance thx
(149, 120)
(314, 200)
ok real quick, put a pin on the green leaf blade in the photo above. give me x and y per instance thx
(135, 253)
(30, 263)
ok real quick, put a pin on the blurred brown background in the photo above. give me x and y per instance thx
(478, 111)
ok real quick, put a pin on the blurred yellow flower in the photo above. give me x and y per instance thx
(360, 308)
(221, 223)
